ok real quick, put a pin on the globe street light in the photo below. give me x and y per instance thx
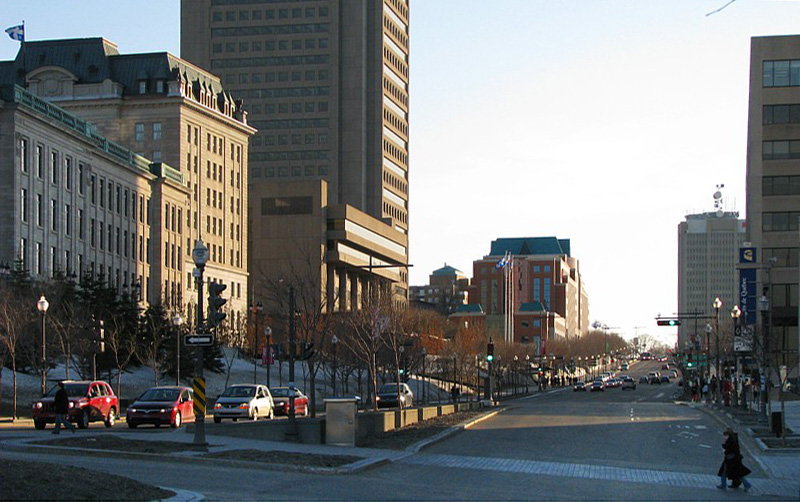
(42, 305)
(177, 321)
(334, 342)
(717, 305)
(200, 258)
(736, 312)
(424, 356)
(708, 358)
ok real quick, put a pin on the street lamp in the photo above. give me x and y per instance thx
(424, 356)
(256, 310)
(334, 342)
(177, 321)
(200, 258)
(736, 312)
(717, 305)
(42, 305)
(708, 358)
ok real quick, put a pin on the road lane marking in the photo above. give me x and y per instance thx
(659, 395)
(704, 446)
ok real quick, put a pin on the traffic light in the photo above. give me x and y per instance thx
(101, 337)
(668, 322)
(689, 362)
(215, 302)
(490, 351)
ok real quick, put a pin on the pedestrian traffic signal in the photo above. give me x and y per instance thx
(490, 351)
(215, 303)
(668, 322)
(101, 337)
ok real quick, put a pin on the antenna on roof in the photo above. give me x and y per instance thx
(718, 201)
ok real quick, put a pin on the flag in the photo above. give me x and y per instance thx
(17, 32)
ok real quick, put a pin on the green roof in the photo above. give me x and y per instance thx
(530, 246)
(470, 308)
(446, 271)
(532, 307)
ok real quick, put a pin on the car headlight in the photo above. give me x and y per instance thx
(132, 410)
(244, 406)
(38, 405)
(377, 398)
(71, 404)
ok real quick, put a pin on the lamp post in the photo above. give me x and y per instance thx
(334, 342)
(200, 258)
(42, 305)
(717, 305)
(514, 372)
(292, 419)
(424, 394)
(707, 372)
(736, 312)
(255, 310)
(527, 371)
(177, 321)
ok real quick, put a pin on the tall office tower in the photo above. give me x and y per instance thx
(168, 110)
(326, 85)
(773, 177)
(708, 250)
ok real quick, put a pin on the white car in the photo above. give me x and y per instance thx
(248, 401)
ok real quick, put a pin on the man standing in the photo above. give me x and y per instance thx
(61, 404)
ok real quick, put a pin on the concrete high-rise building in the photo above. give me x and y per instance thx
(162, 108)
(708, 250)
(773, 177)
(326, 85)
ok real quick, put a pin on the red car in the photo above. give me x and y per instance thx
(280, 396)
(88, 402)
(170, 405)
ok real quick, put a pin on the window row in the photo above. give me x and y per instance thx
(781, 114)
(280, 76)
(235, 287)
(219, 16)
(785, 73)
(780, 185)
(269, 45)
(786, 257)
(154, 131)
(294, 139)
(172, 256)
(296, 171)
(58, 168)
(780, 150)
(783, 221)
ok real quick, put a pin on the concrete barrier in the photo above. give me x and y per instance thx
(375, 422)
(426, 413)
(309, 430)
(446, 409)
(406, 417)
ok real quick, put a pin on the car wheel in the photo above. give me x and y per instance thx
(217, 420)
(83, 420)
(255, 414)
(177, 422)
(111, 419)
(132, 425)
(156, 425)
(235, 419)
(39, 424)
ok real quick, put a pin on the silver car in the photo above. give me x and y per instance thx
(248, 401)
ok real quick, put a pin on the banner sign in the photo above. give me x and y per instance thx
(748, 301)
(743, 339)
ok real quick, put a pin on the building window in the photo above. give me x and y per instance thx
(781, 150)
(784, 73)
(54, 167)
(24, 204)
(139, 131)
(53, 215)
(40, 162)
(780, 221)
(780, 185)
(157, 130)
(142, 86)
(781, 114)
(23, 154)
(68, 172)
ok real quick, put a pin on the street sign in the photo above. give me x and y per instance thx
(743, 339)
(198, 339)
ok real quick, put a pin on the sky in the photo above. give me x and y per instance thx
(600, 121)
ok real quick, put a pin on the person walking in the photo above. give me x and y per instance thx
(61, 403)
(732, 467)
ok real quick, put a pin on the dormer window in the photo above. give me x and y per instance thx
(160, 86)
(143, 87)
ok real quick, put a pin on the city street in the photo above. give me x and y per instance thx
(633, 444)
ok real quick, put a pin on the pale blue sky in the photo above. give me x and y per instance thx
(601, 121)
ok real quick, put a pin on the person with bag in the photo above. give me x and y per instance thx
(732, 467)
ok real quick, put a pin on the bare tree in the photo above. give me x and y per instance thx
(233, 336)
(13, 320)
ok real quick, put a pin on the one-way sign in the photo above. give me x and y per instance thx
(198, 339)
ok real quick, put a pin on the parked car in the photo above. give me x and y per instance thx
(628, 383)
(248, 401)
(644, 379)
(598, 386)
(280, 396)
(665, 366)
(579, 386)
(387, 395)
(654, 380)
(169, 405)
(665, 379)
(89, 401)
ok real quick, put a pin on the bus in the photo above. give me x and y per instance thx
(645, 356)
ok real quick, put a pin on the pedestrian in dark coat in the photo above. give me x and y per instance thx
(61, 405)
(732, 467)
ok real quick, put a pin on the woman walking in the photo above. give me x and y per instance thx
(732, 467)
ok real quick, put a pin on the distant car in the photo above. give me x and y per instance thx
(89, 401)
(171, 405)
(579, 386)
(628, 383)
(624, 367)
(644, 379)
(387, 395)
(280, 395)
(614, 382)
(598, 385)
(247, 401)
(664, 379)
(654, 380)
(673, 374)
(665, 366)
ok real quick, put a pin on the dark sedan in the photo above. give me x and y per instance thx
(580, 386)
(598, 386)
(387, 395)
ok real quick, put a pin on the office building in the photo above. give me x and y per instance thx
(773, 178)
(446, 290)
(326, 85)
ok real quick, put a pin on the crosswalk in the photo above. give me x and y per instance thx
(761, 486)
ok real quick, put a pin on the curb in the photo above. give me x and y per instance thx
(417, 447)
(358, 466)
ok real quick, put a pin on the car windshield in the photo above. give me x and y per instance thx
(280, 392)
(389, 387)
(239, 391)
(170, 395)
(73, 390)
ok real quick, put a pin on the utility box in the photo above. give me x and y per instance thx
(340, 421)
(776, 423)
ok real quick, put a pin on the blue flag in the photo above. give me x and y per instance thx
(17, 32)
